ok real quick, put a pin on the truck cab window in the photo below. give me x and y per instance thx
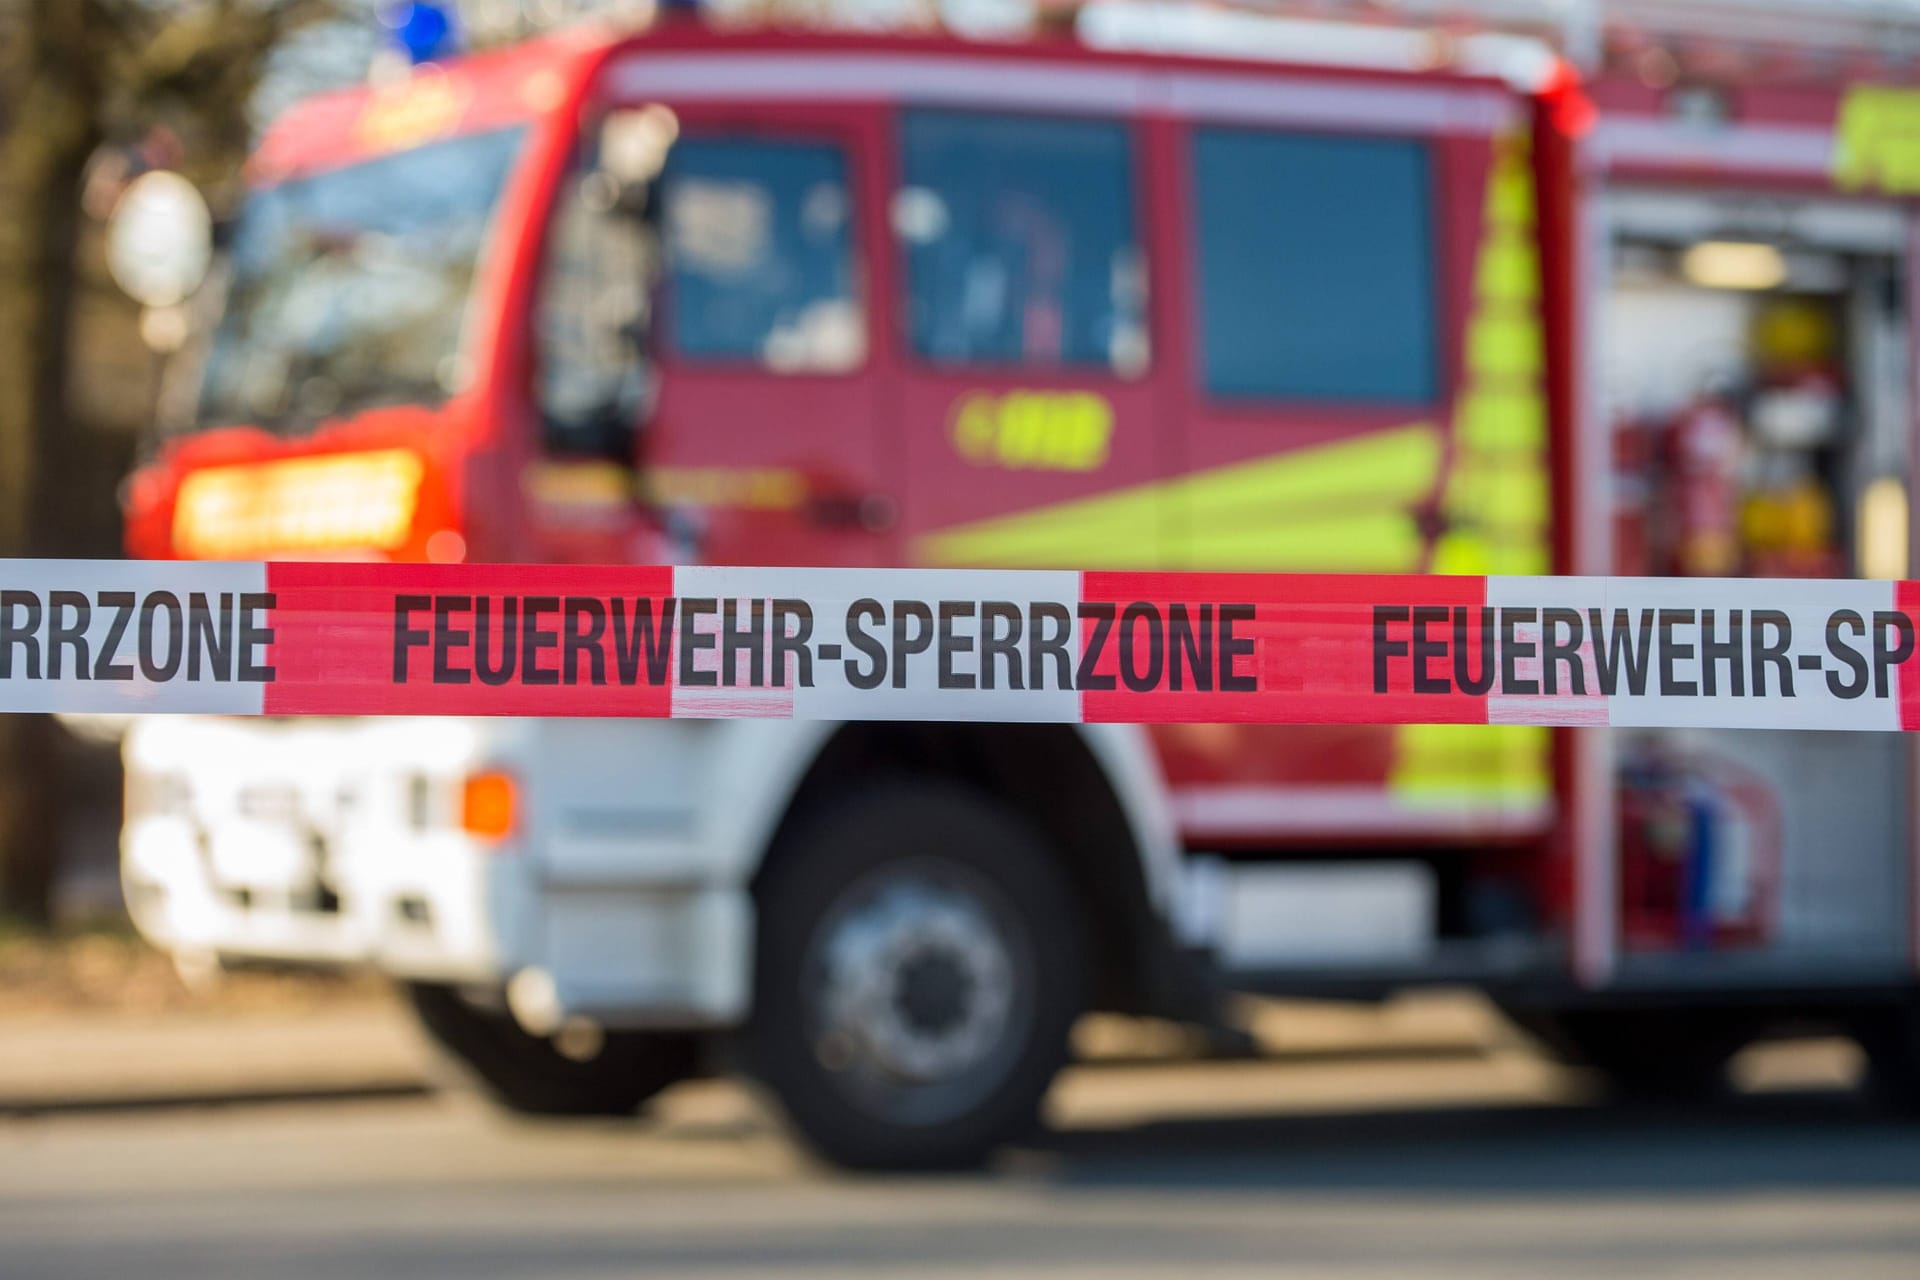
(1315, 267)
(761, 267)
(1021, 243)
(350, 286)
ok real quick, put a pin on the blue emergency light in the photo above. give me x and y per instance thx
(424, 31)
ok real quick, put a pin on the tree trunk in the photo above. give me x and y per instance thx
(67, 67)
(53, 130)
(29, 811)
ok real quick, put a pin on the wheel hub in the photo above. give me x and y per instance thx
(931, 992)
(917, 985)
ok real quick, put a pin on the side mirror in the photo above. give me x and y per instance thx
(633, 146)
(596, 381)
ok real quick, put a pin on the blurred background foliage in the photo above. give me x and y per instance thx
(91, 91)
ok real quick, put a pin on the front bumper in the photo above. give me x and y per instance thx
(338, 845)
(423, 909)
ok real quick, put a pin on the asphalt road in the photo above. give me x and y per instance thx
(1453, 1167)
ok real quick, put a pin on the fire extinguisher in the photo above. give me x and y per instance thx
(1705, 446)
(1700, 841)
(1636, 458)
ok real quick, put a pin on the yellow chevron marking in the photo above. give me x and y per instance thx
(1385, 542)
(1509, 272)
(1497, 497)
(1501, 494)
(1334, 507)
(1501, 419)
(1503, 346)
(1439, 764)
(1510, 193)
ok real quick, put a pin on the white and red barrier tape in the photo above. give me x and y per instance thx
(370, 639)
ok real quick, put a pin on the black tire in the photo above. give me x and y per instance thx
(529, 1074)
(992, 963)
(1652, 1056)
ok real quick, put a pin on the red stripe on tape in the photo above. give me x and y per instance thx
(1906, 599)
(909, 644)
(1311, 647)
(381, 639)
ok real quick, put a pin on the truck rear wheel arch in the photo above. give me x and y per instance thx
(1050, 776)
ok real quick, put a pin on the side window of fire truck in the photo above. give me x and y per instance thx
(760, 254)
(1314, 267)
(1021, 243)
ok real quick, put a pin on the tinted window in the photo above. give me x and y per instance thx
(1020, 241)
(349, 287)
(1315, 267)
(760, 250)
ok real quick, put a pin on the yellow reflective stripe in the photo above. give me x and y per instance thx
(1498, 492)
(1439, 762)
(1118, 528)
(1508, 271)
(1499, 499)
(1510, 196)
(1502, 419)
(1387, 467)
(1385, 542)
(976, 426)
(1503, 346)
(1355, 492)
(1526, 561)
(1462, 551)
(1505, 496)
(1106, 544)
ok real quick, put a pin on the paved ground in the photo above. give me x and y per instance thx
(1467, 1166)
(64, 1059)
(86, 1062)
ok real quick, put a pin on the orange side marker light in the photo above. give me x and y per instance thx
(489, 805)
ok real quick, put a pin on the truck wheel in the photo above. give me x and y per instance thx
(532, 1075)
(1652, 1056)
(919, 969)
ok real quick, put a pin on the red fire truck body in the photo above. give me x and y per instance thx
(775, 299)
(906, 460)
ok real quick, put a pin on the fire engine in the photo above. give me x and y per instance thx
(1336, 302)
